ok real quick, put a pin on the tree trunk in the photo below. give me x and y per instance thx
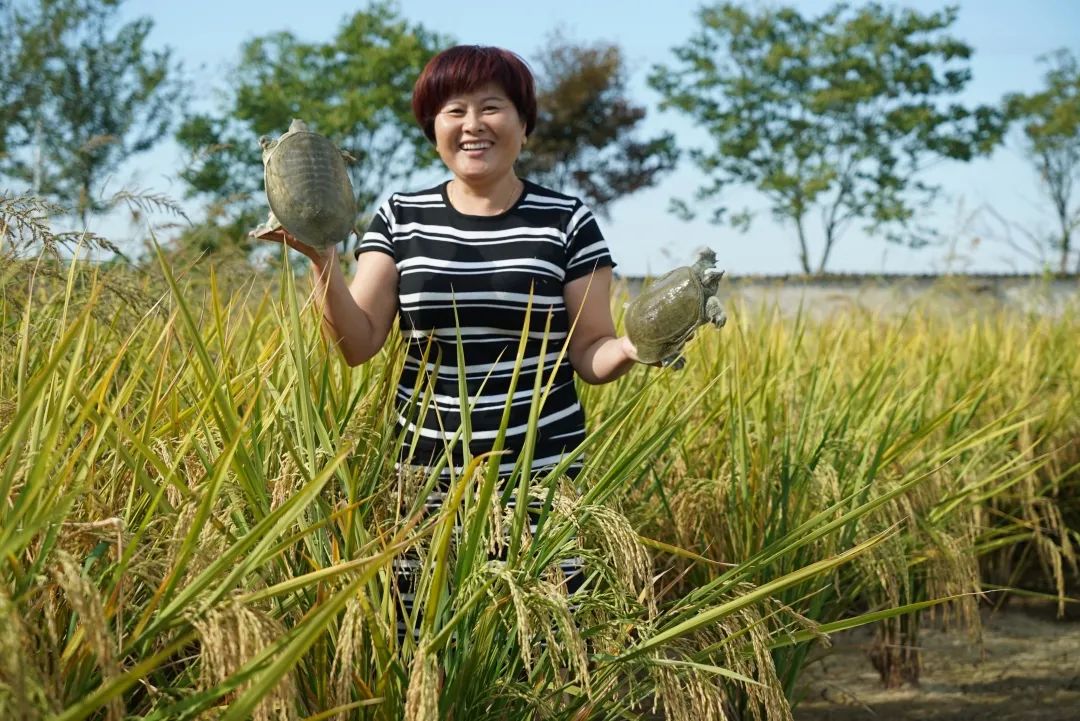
(1066, 243)
(1066, 233)
(804, 253)
(830, 238)
(1059, 195)
(39, 134)
(83, 207)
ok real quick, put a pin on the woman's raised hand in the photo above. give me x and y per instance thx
(280, 235)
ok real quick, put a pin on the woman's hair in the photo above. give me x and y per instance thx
(464, 68)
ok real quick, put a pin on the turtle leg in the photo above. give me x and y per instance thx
(675, 362)
(714, 311)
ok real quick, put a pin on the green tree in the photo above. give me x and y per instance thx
(584, 140)
(836, 115)
(8, 63)
(1050, 120)
(83, 94)
(355, 89)
(26, 34)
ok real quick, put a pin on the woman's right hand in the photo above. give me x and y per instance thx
(280, 235)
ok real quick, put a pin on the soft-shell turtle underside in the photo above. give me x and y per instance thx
(664, 316)
(307, 186)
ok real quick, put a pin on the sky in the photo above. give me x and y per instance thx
(1007, 36)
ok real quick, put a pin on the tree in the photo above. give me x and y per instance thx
(584, 139)
(82, 96)
(838, 114)
(1051, 126)
(25, 38)
(356, 90)
(8, 63)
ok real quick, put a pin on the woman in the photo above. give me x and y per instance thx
(464, 256)
(464, 260)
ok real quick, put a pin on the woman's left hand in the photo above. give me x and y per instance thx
(631, 352)
(629, 348)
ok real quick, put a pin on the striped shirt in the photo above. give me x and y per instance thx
(472, 277)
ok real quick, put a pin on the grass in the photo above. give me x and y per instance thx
(201, 510)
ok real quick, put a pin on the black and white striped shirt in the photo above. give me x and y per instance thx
(470, 277)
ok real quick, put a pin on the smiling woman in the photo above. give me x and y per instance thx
(478, 135)
(467, 257)
(478, 106)
(469, 266)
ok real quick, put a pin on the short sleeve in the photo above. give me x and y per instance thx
(586, 248)
(379, 235)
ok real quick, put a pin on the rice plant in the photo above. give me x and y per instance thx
(202, 512)
(968, 423)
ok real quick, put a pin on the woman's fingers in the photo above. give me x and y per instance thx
(280, 235)
(629, 349)
(277, 235)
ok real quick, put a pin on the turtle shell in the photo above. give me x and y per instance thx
(308, 188)
(664, 315)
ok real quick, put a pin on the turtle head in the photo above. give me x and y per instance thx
(706, 271)
(706, 259)
(267, 144)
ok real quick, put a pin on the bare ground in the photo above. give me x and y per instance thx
(1027, 669)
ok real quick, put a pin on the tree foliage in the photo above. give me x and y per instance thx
(837, 114)
(584, 140)
(1050, 120)
(82, 93)
(355, 89)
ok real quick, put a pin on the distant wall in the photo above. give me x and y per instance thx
(877, 294)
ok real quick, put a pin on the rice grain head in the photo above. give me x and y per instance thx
(362, 428)
(231, 634)
(522, 613)
(570, 645)
(542, 611)
(612, 531)
(684, 695)
(422, 698)
(22, 694)
(349, 647)
(285, 483)
(744, 639)
(1052, 542)
(189, 469)
(84, 599)
(697, 506)
(953, 570)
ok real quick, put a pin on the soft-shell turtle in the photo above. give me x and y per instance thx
(307, 186)
(664, 316)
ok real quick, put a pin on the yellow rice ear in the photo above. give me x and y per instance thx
(422, 698)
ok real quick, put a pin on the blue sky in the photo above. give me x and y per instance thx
(1007, 36)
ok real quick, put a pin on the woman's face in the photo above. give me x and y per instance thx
(479, 134)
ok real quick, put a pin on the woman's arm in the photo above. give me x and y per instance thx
(357, 316)
(596, 353)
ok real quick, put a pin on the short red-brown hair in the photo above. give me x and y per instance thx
(464, 68)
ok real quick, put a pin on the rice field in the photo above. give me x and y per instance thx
(201, 509)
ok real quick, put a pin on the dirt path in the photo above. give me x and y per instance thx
(1027, 670)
